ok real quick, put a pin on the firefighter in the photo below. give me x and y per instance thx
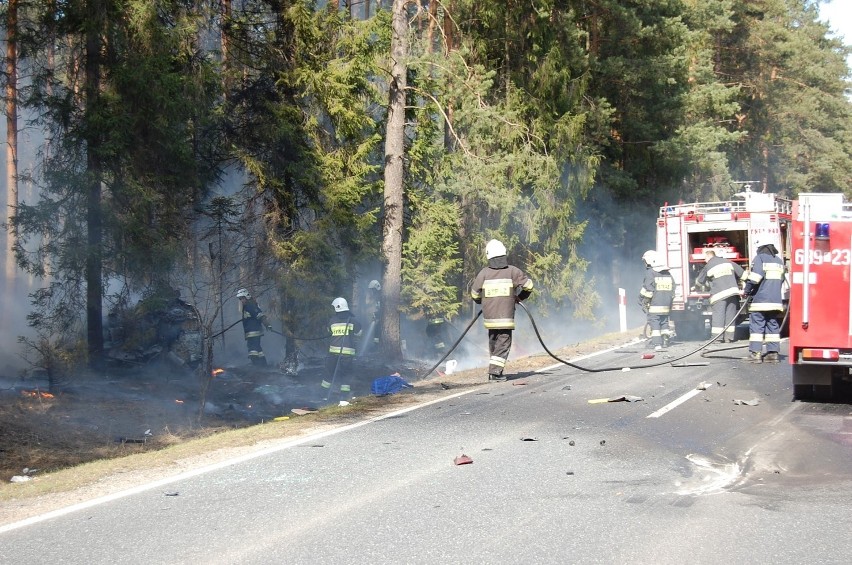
(374, 310)
(498, 287)
(657, 295)
(345, 330)
(722, 275)
(254, 320)
(437, 332)
(764, 284)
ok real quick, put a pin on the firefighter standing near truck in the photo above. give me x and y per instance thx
(254, 320)
(764, 283)
(722, 275)
(498, 287)
(657, 295)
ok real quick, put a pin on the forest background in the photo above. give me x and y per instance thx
(301, 149)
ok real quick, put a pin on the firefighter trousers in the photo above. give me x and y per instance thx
(764, 328)
(659, 324)
(722, 313)
(499, 344)
(255, 351)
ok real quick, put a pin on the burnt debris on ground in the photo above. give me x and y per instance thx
(50, 425)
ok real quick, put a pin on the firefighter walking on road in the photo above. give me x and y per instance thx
(498, 287)
(254, 320)
(764, 283)
(345, 330)
(722, 275)
(657, 295)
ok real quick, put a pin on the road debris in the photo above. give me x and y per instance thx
(529, 439)
(462, 460)
(752, 402)
(704, 385)
(171, 493)
(622, 398)
(566, 387)
(701, 364)
(302, 411)
(391, 384)
(20, 479)
(647, 356)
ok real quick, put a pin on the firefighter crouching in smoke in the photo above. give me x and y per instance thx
(345, 330)
(722, 276)
(498, 287)
(657, 295)
(254, 321)
(764, 283)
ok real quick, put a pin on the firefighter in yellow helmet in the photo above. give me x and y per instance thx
(254, 320)
(498, 287)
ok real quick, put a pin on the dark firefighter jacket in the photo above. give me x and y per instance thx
(345, 330)
(723, 276)
(658, 289)
(253, 319)
(765, 281)
(496, 287)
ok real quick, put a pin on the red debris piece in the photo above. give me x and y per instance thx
(519, 384)
(462, 460)
(647, 356)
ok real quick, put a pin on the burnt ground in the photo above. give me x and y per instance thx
(48, 426)
(130, 411)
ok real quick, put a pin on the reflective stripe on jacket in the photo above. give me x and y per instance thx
(767, 274)
(723, 276)
(252, 319)
(496, 288)
(344, 330)
(659, 287)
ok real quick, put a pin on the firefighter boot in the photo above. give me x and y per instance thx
(754, 357)
(497, 378)
(666, 340)
(771, 357)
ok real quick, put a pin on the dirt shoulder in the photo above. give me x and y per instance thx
(126, 465)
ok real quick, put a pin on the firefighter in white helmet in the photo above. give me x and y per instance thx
(498, 287)
(254, 320)
(345, 330)
(373, 303)
(657, 293)
(764, 284)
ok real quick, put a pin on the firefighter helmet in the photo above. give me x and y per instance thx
(340, 305)
(761, 240)
(659, 264)
(494, 248)
(649, 257)
(375, 285)
(243, 293)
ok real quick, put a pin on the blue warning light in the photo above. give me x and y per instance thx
(822, 230)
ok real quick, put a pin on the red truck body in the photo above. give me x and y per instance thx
(820, 324)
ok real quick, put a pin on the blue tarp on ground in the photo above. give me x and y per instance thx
(389, 385)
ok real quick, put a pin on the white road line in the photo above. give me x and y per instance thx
(677, 402)
(216, 466)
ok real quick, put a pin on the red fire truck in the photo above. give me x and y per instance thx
(820, 342)
(728, 227)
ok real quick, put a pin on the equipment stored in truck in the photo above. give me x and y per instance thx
(729, 228)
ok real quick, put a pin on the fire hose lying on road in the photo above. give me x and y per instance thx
(602, 369)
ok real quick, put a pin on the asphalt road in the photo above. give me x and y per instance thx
(682, 476)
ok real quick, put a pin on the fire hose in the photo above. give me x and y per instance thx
(589, 369)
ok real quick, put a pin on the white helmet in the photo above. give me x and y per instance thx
(494, 248)
(761, 240)
(243, 293)
(375, 284)
(340, 305)
(659, 264)
(649, 257)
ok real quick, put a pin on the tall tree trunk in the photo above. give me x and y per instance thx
(394, 189)
(11, 142)
(94, 258)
